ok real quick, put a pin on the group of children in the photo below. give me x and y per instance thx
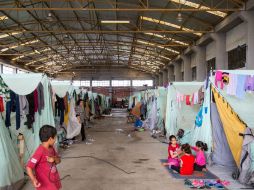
(181, 160)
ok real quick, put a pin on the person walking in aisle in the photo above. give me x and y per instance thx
(81, 112)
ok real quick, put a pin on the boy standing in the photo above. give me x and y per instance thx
(41, 167)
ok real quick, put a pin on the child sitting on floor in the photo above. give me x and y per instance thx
(41, 167)
(186, 161)
(173, 148)
(200, 162)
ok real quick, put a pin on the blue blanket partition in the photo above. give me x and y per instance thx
(196, 174)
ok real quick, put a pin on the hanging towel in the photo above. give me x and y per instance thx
(218, 78)
(231, 89)
(240, 89)
(40, 98)
(249, 84)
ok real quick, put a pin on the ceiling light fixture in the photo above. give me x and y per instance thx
(50, 17)
(15, 46)
(10, 34)
(3, 18)
(166, 38)
(179, 17)
(159, 46)
(199, 6)
(169, 24)
(115, 21)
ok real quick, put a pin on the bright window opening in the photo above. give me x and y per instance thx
(100, 83)
(85, 83)
(8, 70)
(142, 82)
(67, 82)
(121, 82)
(76, 83)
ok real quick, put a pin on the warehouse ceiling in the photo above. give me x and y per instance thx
(78, 37)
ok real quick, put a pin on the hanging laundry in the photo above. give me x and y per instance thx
(66, 102)
(200, 96)
(1, 104)
(30, 115)
(24, 107)
(35, 100)
(218, 78)
(10, 106)
(59, 105)
(199, 117)
(4, 90)
(231, 88)
(195, 98)
(225, 77)
(249, 84)
(240, 89)
(40, 98)
(188, 100)
(17, 109)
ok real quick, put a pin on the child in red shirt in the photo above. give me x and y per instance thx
(186, 161)
(43, 162)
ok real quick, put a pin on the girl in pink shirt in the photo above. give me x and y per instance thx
(200, 162)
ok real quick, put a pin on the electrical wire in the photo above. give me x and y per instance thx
(102, 160)
(77, 157)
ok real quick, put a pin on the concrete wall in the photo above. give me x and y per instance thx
(235, 30)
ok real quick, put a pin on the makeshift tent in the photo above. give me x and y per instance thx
(228, 115)
(161, 106)
(234, 102)
(19, 85)
(178, 114)
(71, 123)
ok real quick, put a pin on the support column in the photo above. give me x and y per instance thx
(165, 77)
(220, 51)
(160, 79)
(171, 76)
(200, 62)
(248, 16)
(156, 80)
(110, 90)
(177, 70)
(186, 67)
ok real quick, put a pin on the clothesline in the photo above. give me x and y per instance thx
(237, 84)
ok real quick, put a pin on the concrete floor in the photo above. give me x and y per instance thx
(139, 153)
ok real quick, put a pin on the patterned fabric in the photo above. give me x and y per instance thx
(4, 90)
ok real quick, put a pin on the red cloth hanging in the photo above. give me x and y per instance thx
(188, 101)
(1, 104)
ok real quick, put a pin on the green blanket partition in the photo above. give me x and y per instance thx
(183, 116)
(11, 175)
